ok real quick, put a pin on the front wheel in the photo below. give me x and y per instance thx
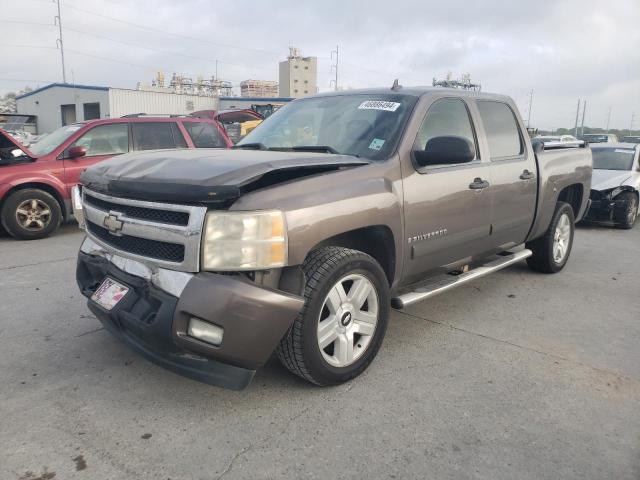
(341, 326)
(31, 214)
(551, 251)
(626, 217)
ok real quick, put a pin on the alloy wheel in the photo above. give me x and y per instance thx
(348, 320)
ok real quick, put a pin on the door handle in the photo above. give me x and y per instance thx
(527, 175)
(478, 184)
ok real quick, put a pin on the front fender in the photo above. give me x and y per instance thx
(323, 206)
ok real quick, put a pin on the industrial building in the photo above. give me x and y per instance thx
(60, 104)
(258, 88)
(298, 75)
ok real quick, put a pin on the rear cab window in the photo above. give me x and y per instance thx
(205, 135)
(501, 129)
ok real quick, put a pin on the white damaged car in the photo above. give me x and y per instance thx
(615, 183)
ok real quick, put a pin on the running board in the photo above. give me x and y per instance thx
(451, 281)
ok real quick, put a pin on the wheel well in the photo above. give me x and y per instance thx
(376, 240)
(573, 196)
(39, 186)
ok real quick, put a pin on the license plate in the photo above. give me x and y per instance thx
(109, 293)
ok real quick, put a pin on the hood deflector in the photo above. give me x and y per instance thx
(206, 176)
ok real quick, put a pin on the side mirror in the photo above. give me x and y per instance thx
(538, 146)
(446, 150)
(77, 151)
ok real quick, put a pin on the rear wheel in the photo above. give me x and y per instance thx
(341, 326)
(626, 217)
(551, 251)
(30, 214)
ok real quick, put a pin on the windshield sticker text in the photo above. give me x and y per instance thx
(376, 144)
(379, 105)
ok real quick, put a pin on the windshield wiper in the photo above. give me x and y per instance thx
(251, 146)
(314, 148)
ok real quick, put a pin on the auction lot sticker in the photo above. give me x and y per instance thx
(109, 293)
(379, 105)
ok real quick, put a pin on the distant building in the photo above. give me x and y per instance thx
(258, 88)
(58, 104)
(298, 75)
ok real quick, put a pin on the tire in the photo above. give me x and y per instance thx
(300, 351)
(42, 214)
(625, 218)
(545, 258)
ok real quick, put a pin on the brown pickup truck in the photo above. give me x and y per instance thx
(336, 209)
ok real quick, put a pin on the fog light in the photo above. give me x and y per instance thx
(205, 331)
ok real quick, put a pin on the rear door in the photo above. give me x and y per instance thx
(101, 142)
(446, 219)
(514, 187)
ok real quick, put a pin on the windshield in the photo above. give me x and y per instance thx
(612, 158)
(596, 138)
(49, 142)
(548, 139)
(366, 126)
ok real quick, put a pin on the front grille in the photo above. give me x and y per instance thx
(169, 252)
(150, 214)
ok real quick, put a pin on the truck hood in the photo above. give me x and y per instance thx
(7, 141)
(606, 179)
(206, 175)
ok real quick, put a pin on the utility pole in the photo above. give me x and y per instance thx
(530, 104)
(575, 130)
(633, 117)
(58, 20)
(608, 119)
(584, 109)
(335, 67)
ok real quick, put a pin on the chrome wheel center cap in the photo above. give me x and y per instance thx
(346, 319)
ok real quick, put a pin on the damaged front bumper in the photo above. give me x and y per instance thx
(153, 316)
(604, 204)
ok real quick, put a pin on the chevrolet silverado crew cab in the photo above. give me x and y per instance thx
(301, 239)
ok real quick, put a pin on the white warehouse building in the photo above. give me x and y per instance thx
(60, 104)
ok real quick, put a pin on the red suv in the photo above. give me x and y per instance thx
(35, 183)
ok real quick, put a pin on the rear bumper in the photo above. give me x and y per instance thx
(154, 322)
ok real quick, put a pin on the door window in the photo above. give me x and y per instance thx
(153, 136)
(503, 134)
(446, 117)
(204, 135)
(105, 140)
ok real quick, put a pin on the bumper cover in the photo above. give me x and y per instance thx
(154, 323)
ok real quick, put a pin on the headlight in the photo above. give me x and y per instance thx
(235, 241)
(76, 204)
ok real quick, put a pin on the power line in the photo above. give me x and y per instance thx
(164, 32)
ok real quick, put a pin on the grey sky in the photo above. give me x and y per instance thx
(561, 49)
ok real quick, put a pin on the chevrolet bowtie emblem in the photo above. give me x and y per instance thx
(112, 223)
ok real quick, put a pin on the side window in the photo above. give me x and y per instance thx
(204, 135)
(105, 140)
(503, 134)
(152, 136)
(446, 117)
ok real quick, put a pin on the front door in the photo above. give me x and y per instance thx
(447, 207)
(101, 142)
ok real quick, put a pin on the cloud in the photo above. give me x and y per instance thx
(562, 49)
